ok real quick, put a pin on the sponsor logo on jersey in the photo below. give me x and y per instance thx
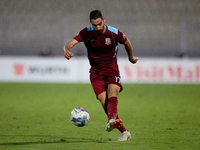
(107, 41)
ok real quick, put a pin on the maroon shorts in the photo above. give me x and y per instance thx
(100, 82)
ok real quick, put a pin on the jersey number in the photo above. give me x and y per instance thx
(117, 79)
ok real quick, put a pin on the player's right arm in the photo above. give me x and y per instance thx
(67, 48)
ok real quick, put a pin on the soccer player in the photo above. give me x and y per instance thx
(101, 42)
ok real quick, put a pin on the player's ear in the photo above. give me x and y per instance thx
(104, 19)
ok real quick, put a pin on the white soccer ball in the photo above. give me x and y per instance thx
(80, 116)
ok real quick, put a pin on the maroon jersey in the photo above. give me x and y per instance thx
(102, 49)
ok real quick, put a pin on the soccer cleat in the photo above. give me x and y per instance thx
(117, 124)
(113, 123)
(109, 126)
(125, 136)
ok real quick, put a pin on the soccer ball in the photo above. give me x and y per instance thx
(79, 116)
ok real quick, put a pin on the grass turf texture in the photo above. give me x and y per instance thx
(37, 116)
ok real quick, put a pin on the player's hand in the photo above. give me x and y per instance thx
(133, 59)
(68, 54)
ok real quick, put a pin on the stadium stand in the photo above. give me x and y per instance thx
(155, 27)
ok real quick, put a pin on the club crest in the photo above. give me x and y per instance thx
(107, 41)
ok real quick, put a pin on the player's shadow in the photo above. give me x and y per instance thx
(64, 140)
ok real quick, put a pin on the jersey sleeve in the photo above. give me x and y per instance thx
(121, 37)
(80, 36)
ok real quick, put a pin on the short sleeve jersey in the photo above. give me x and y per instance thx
(102, 49)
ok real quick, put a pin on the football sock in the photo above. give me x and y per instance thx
(112, 111)
(122, 128)
(112, 108)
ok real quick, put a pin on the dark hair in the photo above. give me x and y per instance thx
(95, 14)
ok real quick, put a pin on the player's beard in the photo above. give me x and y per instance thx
(100, 31)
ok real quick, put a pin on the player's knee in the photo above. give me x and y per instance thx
(102, 96)
(113, 93)
(113, 90)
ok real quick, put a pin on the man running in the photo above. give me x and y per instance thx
(101, 42)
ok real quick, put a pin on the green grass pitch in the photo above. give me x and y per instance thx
(159, 117)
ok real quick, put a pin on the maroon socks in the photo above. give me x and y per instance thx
(112, 111)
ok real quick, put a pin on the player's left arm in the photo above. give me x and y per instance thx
(129, 51)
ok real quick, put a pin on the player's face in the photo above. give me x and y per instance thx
(98, 24)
